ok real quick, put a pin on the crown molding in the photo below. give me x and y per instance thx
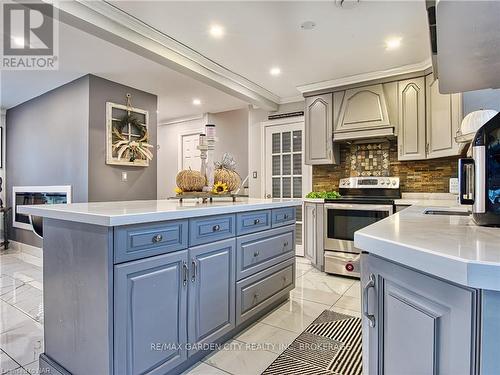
(405, 69)
(107, 22)
(292, 99)
(178, 120)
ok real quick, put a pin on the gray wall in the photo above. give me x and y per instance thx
(232, 134)
(481, 99)
(47, 144)
(104, 182)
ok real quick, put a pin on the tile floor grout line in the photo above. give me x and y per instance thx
(18, 309)
(17, 363)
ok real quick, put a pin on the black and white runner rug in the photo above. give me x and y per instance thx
(330, 345)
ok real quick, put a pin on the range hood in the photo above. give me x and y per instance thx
(465, 44)
(365, 113)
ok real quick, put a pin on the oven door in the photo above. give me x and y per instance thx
(343, 219)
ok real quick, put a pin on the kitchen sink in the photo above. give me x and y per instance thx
(446, 211)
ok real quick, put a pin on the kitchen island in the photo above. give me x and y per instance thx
(431, 294)
(151, 286)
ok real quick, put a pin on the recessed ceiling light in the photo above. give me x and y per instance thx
(275, 71)
(308, 25)
(196, 101)
(18, 41)
(392, 43)
(217, 31)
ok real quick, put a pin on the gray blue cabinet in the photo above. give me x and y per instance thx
(211, 309)
(150, 306)
(152, 296)
(256, 252)
(414, 323)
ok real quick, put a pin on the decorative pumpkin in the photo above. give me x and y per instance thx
(225, 172)
(189, 180)
(230, 178)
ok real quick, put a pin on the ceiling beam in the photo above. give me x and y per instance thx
(107, 22)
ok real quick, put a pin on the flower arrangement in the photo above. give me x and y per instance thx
(220, 188)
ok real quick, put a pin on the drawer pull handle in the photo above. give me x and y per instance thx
(285, 244)
(369, 284)
(185, 273)
(195, 270)
(284, 280)
(216, 228)
(255, 297)
(157, 238)
(286, 217)
(256, 254)
(256, 221)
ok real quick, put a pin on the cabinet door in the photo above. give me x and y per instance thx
(318, 130)
(150, 304)
(443, 115)
(310, 231)
(422, 325)
(411, 109)
(211, 291)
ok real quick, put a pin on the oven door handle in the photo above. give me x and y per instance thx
(359, 207)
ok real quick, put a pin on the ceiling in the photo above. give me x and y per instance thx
(81, 53)
(260, 35)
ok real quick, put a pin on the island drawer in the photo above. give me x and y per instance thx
(253, 221)
(209, 229)
(256, 252)
(257, 292)
(145, 240)
(283, 216)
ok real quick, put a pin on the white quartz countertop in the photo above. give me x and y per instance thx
(450, 247)
(134, 212)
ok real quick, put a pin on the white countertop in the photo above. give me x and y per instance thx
(134, 212)
(427, 199)
(450, 247)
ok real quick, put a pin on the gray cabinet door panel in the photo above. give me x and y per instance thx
(256, 252)
(150, 307)
(211, 291)
(319, 130)
(411, 108)
(144, 240)
(209, 229)
(423, 325)
(259, 291)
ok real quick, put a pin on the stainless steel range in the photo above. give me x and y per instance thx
(364, 201)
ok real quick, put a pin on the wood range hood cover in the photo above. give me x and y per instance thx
(365, 112)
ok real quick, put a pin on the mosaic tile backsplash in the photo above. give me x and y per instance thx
(381, 159)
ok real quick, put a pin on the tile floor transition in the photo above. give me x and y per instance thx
(250, 352)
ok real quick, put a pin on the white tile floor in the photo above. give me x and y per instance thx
(21, 315)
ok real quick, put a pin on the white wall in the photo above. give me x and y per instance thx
(168, 152)
(255, 118)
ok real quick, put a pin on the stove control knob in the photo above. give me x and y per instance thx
(349, 267)
(388, 182)
(394, 182)
(382, 182)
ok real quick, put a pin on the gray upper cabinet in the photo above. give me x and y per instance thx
(411, 109)
(211, 291)
(444, 115)
(319, 130)
(150, 306)
(420, 325)
(363, 113)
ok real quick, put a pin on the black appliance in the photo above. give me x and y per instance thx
(479, 176)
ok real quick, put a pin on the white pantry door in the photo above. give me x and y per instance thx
(190, 154)
(286, 175)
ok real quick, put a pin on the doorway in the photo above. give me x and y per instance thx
(285, 174)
